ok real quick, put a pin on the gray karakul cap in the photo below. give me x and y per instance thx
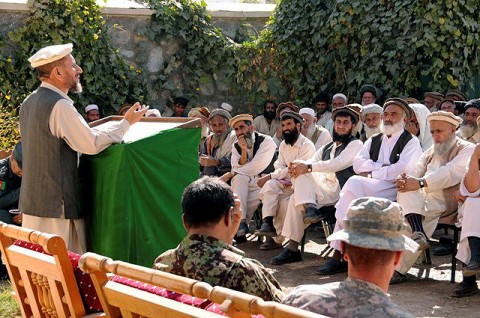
(294, 115)
(221, 112)
(375, 223)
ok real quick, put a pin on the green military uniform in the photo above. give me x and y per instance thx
(9, 190)
(208, 259)
(350, 298)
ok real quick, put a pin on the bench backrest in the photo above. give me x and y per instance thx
(44, 284)
(119, 300)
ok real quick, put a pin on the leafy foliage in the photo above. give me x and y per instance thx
(107, 80)
(403, 46)
(205, 50)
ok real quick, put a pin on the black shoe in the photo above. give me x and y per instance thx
(332, 266)
(473, 267)
(242, 229)
(287, 256)
(240, 239)
(441, 250)
(398, 278)
(312, 215)
(266, 230)
(464, 290)
(270, 244)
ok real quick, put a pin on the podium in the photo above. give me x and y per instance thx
(136, 188)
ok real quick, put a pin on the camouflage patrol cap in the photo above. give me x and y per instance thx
(375, 223)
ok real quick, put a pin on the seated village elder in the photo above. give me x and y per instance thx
(468, 130)
(469, 246)
(211, 216)
(372, 119)
(267, 123)
(282, 107)
(372, 244)
(431, 100)
(201, 113)
(317, 182)
(338, 100)
(426, 194)
(253, 156)
(216, 150)
(92, 113)
(316, 133)
(277, 185)
(382, 158)
(419, 126)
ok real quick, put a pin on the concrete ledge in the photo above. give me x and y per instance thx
(128, 8)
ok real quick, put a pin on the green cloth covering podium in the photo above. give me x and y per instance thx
(136, 188)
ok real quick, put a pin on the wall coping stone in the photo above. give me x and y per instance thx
(128, 8)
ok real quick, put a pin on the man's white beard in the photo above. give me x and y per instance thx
(369, 132)
(467, 130)
(77, 88)
(441, 149)
(310, 131)
(219, 138)
(391, 129)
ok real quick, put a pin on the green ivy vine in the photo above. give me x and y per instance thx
(107, 80)
(406, 47)
(205, 51)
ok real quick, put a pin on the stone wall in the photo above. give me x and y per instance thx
(149, 56)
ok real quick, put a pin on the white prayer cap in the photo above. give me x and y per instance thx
(153, 112)
(308, 111)
(50, 54)
(445, 116)
(342, 96)
(91, 107)
(227, 107)
(372, 109)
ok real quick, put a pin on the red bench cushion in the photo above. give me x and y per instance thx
(87, 290)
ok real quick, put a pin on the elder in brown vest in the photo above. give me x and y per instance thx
(426, 193)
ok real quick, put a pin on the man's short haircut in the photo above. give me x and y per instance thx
(269, 102)
(367, 257)
(322, 97)
(346, 114)
(46, 70)
(206, 201)
(181, 101)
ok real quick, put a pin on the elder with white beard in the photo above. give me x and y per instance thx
(426, 194)
(315, 133)
(468, 130)
(382, 158)
(216, 150)
(372, 119)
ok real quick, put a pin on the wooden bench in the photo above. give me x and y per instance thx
(120, 300)
(44, 284)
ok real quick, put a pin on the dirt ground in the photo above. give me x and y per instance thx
(425, 294)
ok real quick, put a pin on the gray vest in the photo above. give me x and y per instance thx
(50, 176)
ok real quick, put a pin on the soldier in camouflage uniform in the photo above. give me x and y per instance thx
(10, 181)
(372, 243)
(211, 217)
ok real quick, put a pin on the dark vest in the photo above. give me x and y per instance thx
(346, 173)
(50, 177)
(259, 138)
(397, 149)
